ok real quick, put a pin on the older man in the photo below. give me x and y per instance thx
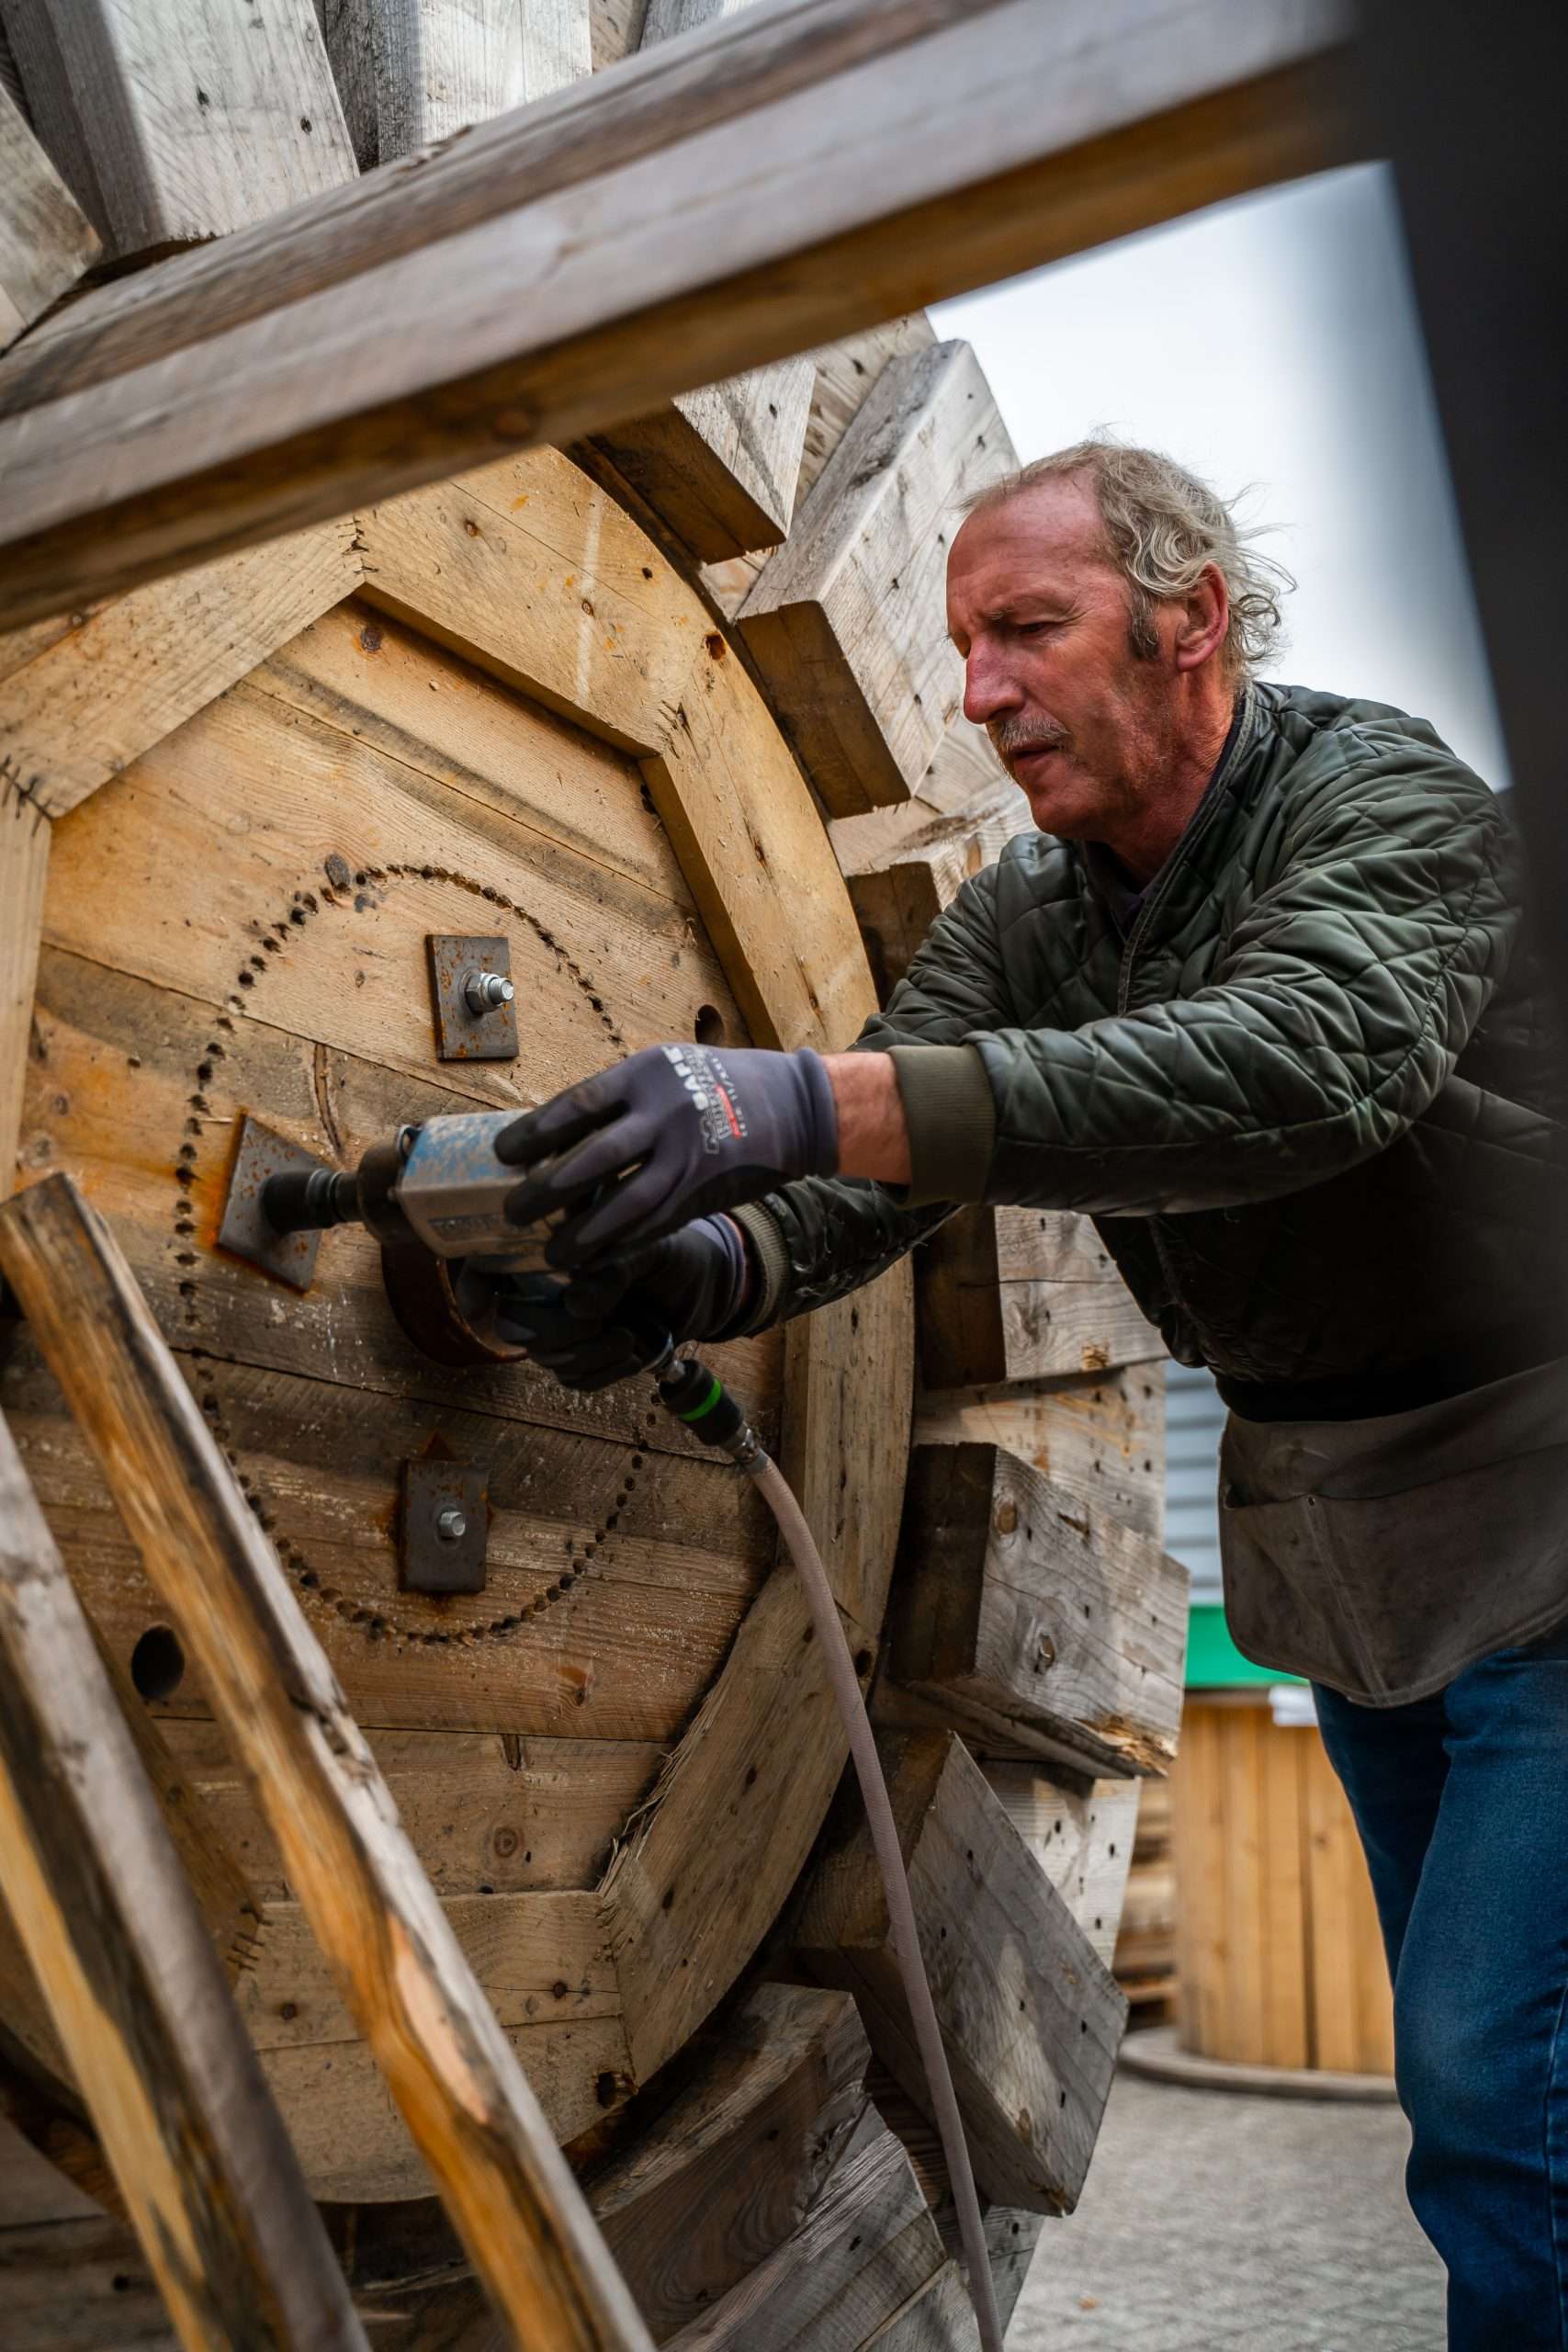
(1254, 997)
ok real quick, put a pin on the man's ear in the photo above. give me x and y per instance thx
(1204, 620)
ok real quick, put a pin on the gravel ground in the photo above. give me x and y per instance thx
(1212, 2222)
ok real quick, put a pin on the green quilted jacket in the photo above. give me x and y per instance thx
(1310, 1100)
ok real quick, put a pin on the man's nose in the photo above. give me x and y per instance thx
(989, 689)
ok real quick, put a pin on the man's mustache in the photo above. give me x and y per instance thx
(1011, 738)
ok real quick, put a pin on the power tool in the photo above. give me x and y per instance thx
(437, 1182)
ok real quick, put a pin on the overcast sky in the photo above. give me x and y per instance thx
(1272, 342)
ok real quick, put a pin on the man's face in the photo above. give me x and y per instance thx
(1040, 613)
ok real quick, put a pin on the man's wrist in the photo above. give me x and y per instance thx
(874, 1136)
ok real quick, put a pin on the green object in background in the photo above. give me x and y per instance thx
(1213, 1661)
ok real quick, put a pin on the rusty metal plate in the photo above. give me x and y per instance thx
(442, 1526)
(464, 1034)
(289, 1257)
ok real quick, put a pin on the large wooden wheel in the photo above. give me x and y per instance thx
(565, 701)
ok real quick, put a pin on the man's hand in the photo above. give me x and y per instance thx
(602, 1327)
(669, 1135)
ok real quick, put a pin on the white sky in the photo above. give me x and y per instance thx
(1272, 342)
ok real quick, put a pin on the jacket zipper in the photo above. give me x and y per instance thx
(1130, 947)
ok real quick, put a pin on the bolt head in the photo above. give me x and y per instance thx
(487, 991)
(451, 1526)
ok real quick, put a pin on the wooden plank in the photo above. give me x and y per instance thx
(862, 2250)
(845, 374)
(1081, 1833)
(879, 149)
(617, 30)
(847, 624)
(414, 1997)
(134, 1986)
(720, 2182)
(938, 2318)
(415, 71)
(23, 872)
(718, 466)
(183, 123)
(1282, 1893)
(1023, 1614)
(625, 1652)
(538, 1815)
(46, 240)
(105, 692)
(1101, 1436)
(1353, 2008)
(1030, 2017)
(76, 2286)
(1014, 1293)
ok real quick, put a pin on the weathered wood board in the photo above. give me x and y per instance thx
(174, 125)
(1032, 1620)
(1098, 1435)
(1013, 1294)
(46, 240)
(720, 2182)
(1030, 2015)
(847, 622)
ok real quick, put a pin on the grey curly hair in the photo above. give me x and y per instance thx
(1162, 525)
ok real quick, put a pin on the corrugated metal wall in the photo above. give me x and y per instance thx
(1194, 1417)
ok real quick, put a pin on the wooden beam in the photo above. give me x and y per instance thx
(24, 870)
(1098, 1435)
(1036, 1622)
(107, 691)
(721, 2180)
(137, 1993)
(1011, 1293)
(174, 124)
(718, 466)
(355, 347)
(399, 1966)
(1031, 2018)
(411, 71)
(46, 239)
(1081, 1832)
(862, 2250)
(847, 624)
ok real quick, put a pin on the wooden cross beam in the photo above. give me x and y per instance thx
(782, 178)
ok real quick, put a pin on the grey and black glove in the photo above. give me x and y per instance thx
(609, 1324)
(670, 1134)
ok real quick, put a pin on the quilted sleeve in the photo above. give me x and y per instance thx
(1343, 996)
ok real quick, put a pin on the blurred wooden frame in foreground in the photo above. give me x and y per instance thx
(779, 179)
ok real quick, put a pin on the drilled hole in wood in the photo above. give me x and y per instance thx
(158, 1663)
(709, 1026)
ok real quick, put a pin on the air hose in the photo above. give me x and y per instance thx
(696, 1397)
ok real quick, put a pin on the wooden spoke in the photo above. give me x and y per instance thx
(135, 1988)
(396, 1960)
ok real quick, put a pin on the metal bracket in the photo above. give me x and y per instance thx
(471, 998)
(442, 1526)
(288, 1257)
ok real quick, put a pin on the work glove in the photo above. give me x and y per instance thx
(670, 1134)
(611, 1323)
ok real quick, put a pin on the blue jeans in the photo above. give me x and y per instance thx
(1461, 1803)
